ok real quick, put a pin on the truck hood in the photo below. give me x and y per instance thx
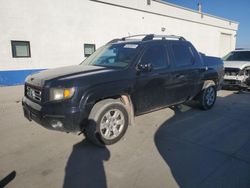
(38, 79)
(236, 64)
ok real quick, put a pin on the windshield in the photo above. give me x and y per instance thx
(238, 56)
(113, 55)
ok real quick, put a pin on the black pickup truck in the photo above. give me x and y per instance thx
(123, 79)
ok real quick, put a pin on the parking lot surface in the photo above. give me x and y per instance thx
(181, 147)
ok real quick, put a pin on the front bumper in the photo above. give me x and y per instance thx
(235, 81)
(54, 116)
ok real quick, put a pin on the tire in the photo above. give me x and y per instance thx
(207, 98)
(108, 122)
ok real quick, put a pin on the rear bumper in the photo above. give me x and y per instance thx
(66, 119)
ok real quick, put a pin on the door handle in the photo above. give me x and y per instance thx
(155, 74)
(180, 76)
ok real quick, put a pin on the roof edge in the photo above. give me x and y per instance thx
(195, 11)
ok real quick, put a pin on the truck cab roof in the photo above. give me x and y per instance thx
(146, 38)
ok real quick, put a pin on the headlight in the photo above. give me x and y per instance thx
(61, 93)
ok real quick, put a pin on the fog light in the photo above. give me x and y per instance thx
(56, 124)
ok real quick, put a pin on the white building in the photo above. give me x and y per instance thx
(51, 33)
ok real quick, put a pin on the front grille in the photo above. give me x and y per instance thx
(34, 94)
(232, 82)
(232, 71)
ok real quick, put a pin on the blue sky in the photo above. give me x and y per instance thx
(237, 10)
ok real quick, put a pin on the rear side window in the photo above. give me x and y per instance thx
(155, 55)
(183, 54)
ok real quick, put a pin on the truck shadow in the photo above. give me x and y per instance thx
(198, 146)
(85, 167)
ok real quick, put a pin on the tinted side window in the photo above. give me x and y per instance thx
(238, 56)
(183, 54)
(156, 56)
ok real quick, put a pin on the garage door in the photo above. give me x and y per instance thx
(225, 44)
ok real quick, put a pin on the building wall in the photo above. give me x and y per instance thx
(58, 29)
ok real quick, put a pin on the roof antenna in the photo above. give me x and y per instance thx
(200, 7)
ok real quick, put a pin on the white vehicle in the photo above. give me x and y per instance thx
(237, 69)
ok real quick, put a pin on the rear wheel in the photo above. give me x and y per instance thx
(108, 122)
(207, 97)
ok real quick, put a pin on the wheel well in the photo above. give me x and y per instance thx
(115, 97)
(208, 83)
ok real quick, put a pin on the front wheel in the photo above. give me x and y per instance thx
(108, 122)
(207, 97)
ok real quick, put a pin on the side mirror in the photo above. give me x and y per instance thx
(145, 67)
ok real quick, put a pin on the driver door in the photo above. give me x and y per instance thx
(151, 83)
